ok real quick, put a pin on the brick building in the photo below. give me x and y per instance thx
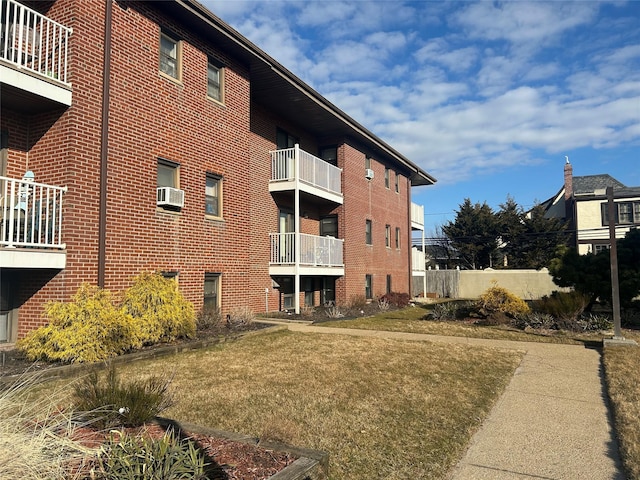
(152, 136)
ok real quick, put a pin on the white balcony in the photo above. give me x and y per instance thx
(417, 216)
(293, 168)
(30, 232)
(33, 53)
(317, 255)
(418, 263)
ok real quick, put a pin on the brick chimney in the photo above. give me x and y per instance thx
(568, 180)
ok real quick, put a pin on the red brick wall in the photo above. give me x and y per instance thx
(153, 116)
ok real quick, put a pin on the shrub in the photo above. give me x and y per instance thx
(594, 323)
(498, 301)
(140, 458)
(208, 317)
(87, 329)
(240, 316)
(159, 309)
(567, 306)
(109, 402)
(334, 312)
(443, 311)
(396, 299)
(357, 302)
(383, 305)
(535, 320)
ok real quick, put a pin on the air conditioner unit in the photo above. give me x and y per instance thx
(170, 197)
(368, 173)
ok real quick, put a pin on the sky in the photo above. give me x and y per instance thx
(487, 97)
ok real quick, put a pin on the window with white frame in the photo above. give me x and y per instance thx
(597, 248)
(368, 232)
(170, 52)
(398, 238)
(215, 81)
(368, 286)
(213, 195)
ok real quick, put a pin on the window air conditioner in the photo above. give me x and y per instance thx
(368, 173)
(170, 197)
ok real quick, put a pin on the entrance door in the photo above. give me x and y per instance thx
(286, 224)
(5, 308)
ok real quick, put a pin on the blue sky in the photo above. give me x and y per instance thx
(488, 97)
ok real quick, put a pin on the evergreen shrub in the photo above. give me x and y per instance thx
(498, 301)
(87, 329)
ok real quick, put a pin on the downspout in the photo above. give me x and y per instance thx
(104, 146)
(410, 239)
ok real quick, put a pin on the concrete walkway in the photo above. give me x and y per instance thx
(551, 423)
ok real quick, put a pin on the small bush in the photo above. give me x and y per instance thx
(384, 305)
(159, 308)
(208, 318)
(399, 300)
(334, 312)
(307, 311)
(443, 311)
(357, 302)
(87, 329)
(566, 306)
(497, 302)
(139, 458)
(535, 320)
(595, 323)
(240, 316)
(109, 402)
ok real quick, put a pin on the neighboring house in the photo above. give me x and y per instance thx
(582, 202)
(152, 136)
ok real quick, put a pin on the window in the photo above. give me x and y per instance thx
(387, 236)
(388, 283)
(626, 212)
(168, 173)
(398, 238)
(367, 232)
(211, 291)
(285, 140)
(329, 226)
(367, 162)
(215, 81)
(397, 183)
(170, 275)
(329, 155)
(213, 195)
(386, 177)
(368, 286)
(170, 55)
(597, 248)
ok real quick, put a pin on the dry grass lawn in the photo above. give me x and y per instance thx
(381, 408)
(410, 320)
(622, 371)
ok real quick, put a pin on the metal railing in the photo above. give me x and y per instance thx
(31, 214)
(312, 170)
(32, 41)
(314, 250)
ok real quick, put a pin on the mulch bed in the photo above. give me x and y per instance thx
(226, 459)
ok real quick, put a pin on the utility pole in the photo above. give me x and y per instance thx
(613, 251)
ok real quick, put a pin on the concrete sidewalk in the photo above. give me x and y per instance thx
(551, 423)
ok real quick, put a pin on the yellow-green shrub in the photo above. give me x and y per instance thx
(159, 309)
(88, 329)
(499, 300)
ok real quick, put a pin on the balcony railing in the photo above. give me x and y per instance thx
(312, 170)
(31, 214)
(418, 263)
(417, 216)
(34, 42)
(314, 250)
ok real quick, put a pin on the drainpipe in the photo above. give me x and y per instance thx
(104, 145)
(296, 215)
